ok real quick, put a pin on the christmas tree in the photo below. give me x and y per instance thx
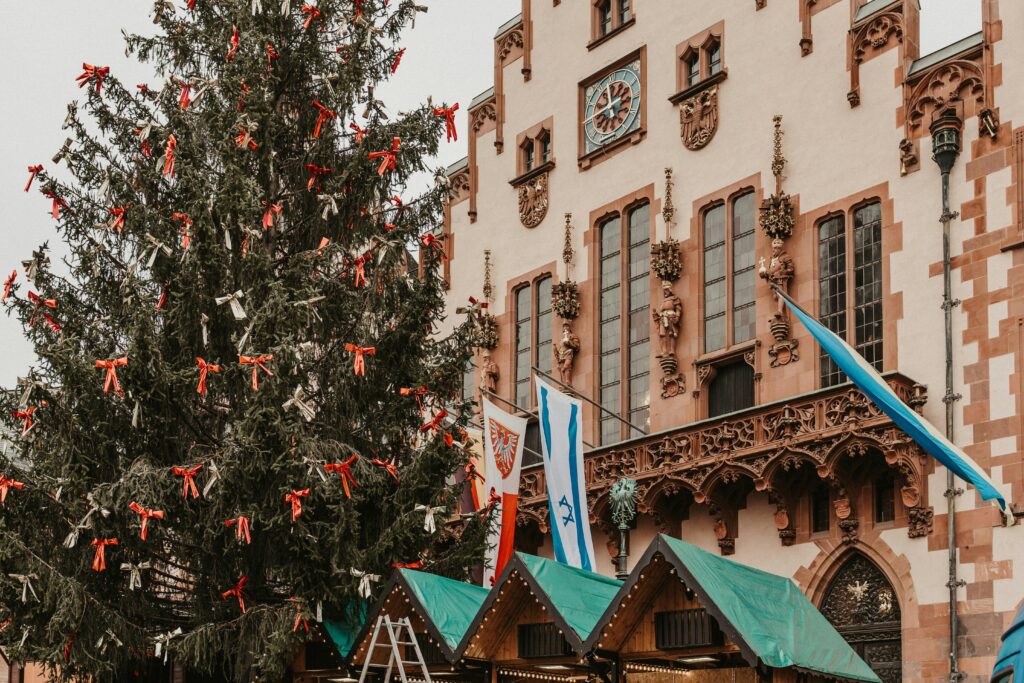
(242, 413)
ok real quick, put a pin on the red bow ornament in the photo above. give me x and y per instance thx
(311, 13)
(269, 211)
(360, 132)
(118, 213)
(272, 54)
(324, 116)
(99, 560)
(39, 302)
(169, 154)
(237, 592)
(344, 470)
(430, 240)
(111, 367)
(295, 500)
(397, 60)
(188, 484)
(418, 564)
(241, 524)
(204, 369)
(6, 485)
(26, 418)
(233, 43)
(90, 72)
(417, 392)
(316, 175)
(244, 139)
(57, 205)
(185, 229)
(299, 619)
(8, 283)
(257, 363)
(448, 113)
(359, 366)
(33, 171)
(389, 467)
(146, 515)
(435, 422)
(360, 269)
(387, 158)
(185, 98)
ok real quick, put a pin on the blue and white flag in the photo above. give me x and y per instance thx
(561, 429)
(864, 376)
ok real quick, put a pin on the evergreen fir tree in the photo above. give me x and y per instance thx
(227, 424)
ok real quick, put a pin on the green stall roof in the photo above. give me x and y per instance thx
(765, 614)
(449, 604)
(343, 631)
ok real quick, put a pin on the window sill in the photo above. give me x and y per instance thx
(598, 155)
(729, 353)
(531, 174)
(699, 87)
(596, 42)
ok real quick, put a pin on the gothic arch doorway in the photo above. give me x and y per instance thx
(863, 606)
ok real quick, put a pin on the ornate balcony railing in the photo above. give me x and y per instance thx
(761, 444)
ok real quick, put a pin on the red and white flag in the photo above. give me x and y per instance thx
(504, 437)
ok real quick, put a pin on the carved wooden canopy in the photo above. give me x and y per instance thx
(757, 448)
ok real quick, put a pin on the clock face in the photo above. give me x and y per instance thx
(612, 107)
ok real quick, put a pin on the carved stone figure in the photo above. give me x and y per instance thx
(698, 119)
(488, 374)
(778, 272)
(568, 348)
(533, 201)
(668, 316)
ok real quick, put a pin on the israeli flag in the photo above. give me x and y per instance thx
(864, 376)
(561, 427)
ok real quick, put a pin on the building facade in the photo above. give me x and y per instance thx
(642, 172)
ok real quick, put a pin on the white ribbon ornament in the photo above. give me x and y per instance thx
(236, 304)
(429, 523)
(156, 246)
(26, 585)
(135, 573)
(298, 402)
(365, 589)
(162, 643)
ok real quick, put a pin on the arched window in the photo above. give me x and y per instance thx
(625, 296)
(729, 276)
(532, 337)
(836, 270)
(604, 17)
(544, 139)
(625, 11)
(714, 57)
(731, 389)
(863, 606)
(692, 62)
(529, 155)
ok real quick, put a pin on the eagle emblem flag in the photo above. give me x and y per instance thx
(503, 458)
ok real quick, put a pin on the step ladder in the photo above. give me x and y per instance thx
(393, 636)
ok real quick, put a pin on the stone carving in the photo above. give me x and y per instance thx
(510, 41)
(698, 119)
(485, 335)
(957, 80)
(489, 373)
(665, 260)
(567, 350)
(870, 38)
(459, 185)
(779, 272)
(565, 300)
(533, 200)
(479, 117)
(920, 520)
(908, 156)
(988, 123)
(668, 317)
(776, 211)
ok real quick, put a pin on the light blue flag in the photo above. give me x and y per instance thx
(561, 426)
(864, 376)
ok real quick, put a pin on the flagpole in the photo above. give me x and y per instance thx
(531, 413)
(593, 403)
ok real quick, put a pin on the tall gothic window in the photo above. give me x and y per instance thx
(604, 17)
(469, 381)
(625, 376)
(864, 270)
(729, 275)
(533, 337)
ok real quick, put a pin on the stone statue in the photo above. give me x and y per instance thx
(668, 316)
(488, 374)
(778, 272)
(568, 348)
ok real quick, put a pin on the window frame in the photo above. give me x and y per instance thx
(625, 348)
(533, 286)
(886, 476)
(702, 46)
(533, 142)
(728, 205)
(848, 216)
(811, 498)
(621, 14)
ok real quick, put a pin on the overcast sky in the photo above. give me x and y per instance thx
(43, 45)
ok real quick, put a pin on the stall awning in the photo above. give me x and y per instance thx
(343, 631)
(766, 615)
(446, 604)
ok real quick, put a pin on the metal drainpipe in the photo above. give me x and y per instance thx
(945, 130)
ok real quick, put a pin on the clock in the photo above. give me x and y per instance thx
(611, 107)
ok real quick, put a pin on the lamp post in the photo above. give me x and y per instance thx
(946, 130)
(623, 503)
